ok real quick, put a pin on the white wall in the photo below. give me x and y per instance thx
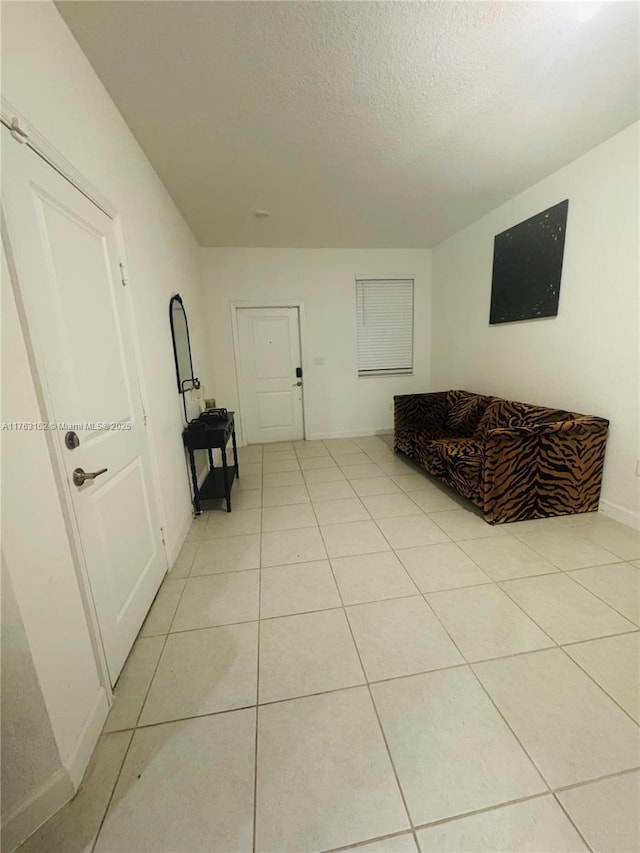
(585, 359)
(29, 750)
(47, 78)
(50, 81)
(337, 402)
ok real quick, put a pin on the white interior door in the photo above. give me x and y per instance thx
(270, 390)
(78, 316)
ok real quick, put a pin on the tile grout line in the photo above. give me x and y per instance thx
(482, 660)
(560, 646)
(450, 819)
(460, 665)
(521, 608)
(606, 693)
(135, 728)
(560, 789)
(484, 689)
(555, 574)
(517, 534)
(376, 839)
(490, 580)
(391, 550)
(549, 790)
(485, 809)
(595, 639)
(576, 568)
(571, 821)
(343, 607)
(373, 704)
(418, 514)
(595, 594)
(482, 686)
(603, 778)
(554, 644)
(424, 594)
(255, 755)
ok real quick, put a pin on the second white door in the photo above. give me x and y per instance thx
(269, 364)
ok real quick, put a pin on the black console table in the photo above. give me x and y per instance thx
(209, 434)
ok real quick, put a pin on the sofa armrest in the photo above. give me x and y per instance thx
(537, 470)
(420, 411)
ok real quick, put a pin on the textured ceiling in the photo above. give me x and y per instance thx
(359, 124)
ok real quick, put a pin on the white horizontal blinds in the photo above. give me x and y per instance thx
(384, 309)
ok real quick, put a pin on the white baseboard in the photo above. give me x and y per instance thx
(620, 513)
(77, 762)
(179, 542)
(358, 433)
(58, 789)
(38, 808)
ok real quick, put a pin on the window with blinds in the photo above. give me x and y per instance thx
(384, 310)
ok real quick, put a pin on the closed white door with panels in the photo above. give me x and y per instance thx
(269, 374)
(79, 321)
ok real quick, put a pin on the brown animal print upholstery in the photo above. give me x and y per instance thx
(418, 414)
(501, 413)
(517, 461)
(464, 415)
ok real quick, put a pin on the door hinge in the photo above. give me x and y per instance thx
(123, 275)
(164, 541)
(145, 419)
(17, 130)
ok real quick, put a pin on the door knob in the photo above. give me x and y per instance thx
(79, 476)
(297, 384)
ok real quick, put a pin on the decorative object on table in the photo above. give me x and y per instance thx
(210, 417)
(527, 267)
(516, 461)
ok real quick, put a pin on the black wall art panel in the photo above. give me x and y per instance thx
(527, 267)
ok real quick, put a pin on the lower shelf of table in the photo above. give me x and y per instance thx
(214, 485)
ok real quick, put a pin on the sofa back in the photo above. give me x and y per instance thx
(464, 411)
(505, 413)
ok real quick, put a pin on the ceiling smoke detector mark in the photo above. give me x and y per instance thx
(261, 214)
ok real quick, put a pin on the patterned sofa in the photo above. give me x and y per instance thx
(515, 461)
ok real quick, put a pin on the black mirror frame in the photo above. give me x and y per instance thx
(193, 379)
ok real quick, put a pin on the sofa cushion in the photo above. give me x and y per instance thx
(459, 462)
(499, 413)
(464, 415)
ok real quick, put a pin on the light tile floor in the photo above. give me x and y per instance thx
(353, 658)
